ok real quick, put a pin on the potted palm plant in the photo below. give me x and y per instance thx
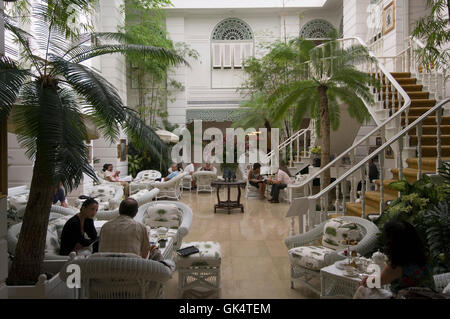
(47, 100)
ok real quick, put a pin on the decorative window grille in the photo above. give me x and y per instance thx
(232, 42)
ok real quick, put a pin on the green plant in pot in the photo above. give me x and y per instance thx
(315, 152)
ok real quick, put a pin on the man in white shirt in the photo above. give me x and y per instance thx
(190, 169)
(281, 181)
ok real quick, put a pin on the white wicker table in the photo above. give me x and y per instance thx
(334, 284)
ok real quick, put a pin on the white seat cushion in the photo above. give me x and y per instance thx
(310, 257)
(52, 241)
(209, 255)
(162, 215)
(338, 233)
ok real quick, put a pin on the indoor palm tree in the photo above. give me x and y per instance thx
(328, 79)
(47, 101)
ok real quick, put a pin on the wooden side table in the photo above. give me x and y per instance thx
(228, 204)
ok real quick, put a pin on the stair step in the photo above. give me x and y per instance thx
(355, 209)
(431, 130)
(428, 163)
(406, 87)
(420, 95)
(431, 150)
(387, 189)
(430, 140)
(398, 75)
(428, 121)
(409, 173)
(418, 110)
(373, 198)
(402, 81)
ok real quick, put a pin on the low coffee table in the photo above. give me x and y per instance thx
(228, 204)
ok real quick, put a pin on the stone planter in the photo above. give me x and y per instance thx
(54, 288)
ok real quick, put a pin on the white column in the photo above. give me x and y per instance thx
(177, 107)
(355, 18)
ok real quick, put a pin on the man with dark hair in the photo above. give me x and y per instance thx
(255, 179)
(125, 235)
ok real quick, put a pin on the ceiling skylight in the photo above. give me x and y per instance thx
(229, 4)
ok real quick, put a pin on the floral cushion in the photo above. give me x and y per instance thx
(59, 223)
(18, 202)
(162, 215)
(310, 257)
(140, 194)
(209, 255)
(338, 233)
(52, 240)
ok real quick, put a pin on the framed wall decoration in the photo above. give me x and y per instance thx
(389, 153)
(388, 18)
(122, 150)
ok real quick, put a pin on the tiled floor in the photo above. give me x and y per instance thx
(254, 258)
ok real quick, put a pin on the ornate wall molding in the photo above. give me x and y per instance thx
(211, 115)
(232, 29)
(316, 28)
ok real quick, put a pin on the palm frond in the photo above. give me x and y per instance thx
(11, 80)
(105, 105)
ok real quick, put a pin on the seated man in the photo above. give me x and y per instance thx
(190, 169)
(59, 195)
(281, 181)
(174, 173)
(125, 235)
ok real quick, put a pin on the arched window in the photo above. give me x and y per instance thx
(232, 43)
(316, 29)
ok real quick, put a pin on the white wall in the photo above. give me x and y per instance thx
(355, 18)
(210, 91)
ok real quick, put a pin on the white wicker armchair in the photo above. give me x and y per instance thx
(119, 276)
(365, 245)
(204, 179)
(143, 180)
(170, 189)
(109, 196)
(184, 224)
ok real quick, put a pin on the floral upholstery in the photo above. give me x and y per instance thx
(108, 196)
(15, 207)
(338, 234)
(162, 215)
(209, 255)
(310, 257)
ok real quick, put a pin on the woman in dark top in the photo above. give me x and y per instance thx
(73, 236)
(407, 262)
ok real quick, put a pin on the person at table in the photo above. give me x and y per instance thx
(79, 231)
(207, 168)
(59, 195)
(190, 169)
(407, 264)
(175, 172)
(125, 235)
(255, 179)
(113, 176)
(280, 181)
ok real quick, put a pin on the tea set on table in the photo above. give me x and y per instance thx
(355, 265)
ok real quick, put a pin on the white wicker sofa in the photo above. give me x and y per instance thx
(204, 179)
(52, 260)
(305, 274)
(143, 180)
(170, 189)
(179, 229)
(119, 276)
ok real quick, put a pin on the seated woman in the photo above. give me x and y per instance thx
(59, 196)
(73, 236)
(255, 179)
(112, 176)
(407, 263)
(207, 168)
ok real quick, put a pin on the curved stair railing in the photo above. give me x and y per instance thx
(293, 142)
(314, 217)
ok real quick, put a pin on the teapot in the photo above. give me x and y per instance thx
(379, 259)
